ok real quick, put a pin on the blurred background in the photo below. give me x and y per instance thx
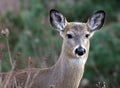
(31, 36)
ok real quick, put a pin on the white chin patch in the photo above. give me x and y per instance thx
(79, 62)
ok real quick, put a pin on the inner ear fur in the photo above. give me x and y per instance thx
(57, 20)
(96, 21)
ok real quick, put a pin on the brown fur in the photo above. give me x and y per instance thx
(63, 74)
(69, 69)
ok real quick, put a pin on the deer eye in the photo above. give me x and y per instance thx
(69, 36)
(87, 35)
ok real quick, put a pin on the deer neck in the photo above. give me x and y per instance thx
(69, 70)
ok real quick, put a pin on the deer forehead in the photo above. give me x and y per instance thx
(76, 28)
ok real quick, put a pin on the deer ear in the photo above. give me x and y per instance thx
(95, 22)
(57, 20)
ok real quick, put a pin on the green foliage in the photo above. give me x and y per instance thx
(81, 10)
(104, 56)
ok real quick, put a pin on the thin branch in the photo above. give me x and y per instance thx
(10, 57)
(28, 80)
(9, 76)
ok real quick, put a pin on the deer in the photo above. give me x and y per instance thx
(69, 69)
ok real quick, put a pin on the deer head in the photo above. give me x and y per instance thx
(76, 35)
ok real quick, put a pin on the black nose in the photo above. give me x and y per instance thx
(80, 51)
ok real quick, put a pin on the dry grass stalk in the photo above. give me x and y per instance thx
(8, 77)
(28, 80)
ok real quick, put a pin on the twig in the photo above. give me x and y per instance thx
(0, 79)
(0, 66)
(27, 81)
(0, 71)
(34, 76)
(9, 76)
(15, 82)
(9, 51)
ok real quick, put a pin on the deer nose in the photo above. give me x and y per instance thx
(80, 51)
